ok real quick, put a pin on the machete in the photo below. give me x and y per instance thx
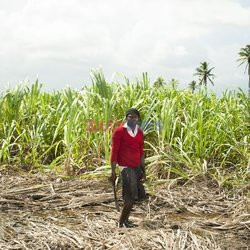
(115, 196)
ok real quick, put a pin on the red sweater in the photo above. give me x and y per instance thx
(127, 150)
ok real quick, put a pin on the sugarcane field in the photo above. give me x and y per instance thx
(125, 125)
(55, 191)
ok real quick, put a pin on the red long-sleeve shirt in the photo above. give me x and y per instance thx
(127, 150)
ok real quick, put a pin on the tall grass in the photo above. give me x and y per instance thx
(201, 133)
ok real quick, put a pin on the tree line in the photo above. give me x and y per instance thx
(205, 75)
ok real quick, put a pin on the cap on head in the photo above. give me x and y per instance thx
(132, 111)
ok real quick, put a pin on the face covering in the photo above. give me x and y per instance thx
(131, 123)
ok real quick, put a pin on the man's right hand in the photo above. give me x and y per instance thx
(112, 178)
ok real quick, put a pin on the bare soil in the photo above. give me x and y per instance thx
(48, 212)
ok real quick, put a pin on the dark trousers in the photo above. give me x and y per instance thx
(132, 187)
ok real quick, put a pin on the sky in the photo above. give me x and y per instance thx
(60, 41)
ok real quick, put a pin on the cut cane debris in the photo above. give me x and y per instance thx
(37, 212)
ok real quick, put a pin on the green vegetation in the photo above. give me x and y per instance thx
(205, 74)
(202, 134)
(193, 85)
(245, 58)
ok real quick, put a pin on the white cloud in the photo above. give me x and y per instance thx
(62, 40)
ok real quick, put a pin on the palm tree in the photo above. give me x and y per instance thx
(245, 58)
(173, 83)
(204, 74)
(160, 82)
(193, 86)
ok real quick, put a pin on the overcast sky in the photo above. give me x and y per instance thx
(61, 40)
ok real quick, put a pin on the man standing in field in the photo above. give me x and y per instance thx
(127, 152)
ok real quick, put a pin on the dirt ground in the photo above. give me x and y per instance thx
(48, 212)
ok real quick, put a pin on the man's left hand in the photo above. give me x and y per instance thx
(143, 177)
